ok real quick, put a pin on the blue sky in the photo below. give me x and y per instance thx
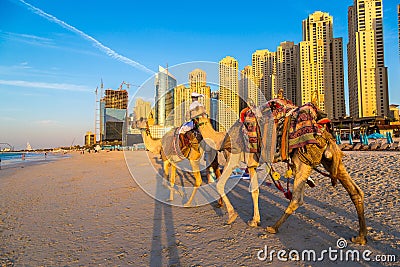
(53, 57)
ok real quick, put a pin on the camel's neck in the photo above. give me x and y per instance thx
(213, 138)
(151, 144)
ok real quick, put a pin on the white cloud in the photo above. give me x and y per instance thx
(42, 85)
(27, 38)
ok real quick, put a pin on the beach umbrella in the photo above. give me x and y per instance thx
(350, 138)
(390, 137)
(387, 138)
(338, 141)
(365, 139)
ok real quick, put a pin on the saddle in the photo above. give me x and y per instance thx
(251, 131)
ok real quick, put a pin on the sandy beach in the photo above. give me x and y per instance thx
(88, 210)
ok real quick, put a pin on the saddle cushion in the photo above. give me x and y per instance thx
(250, 131)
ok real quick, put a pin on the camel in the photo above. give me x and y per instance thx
(330, 158)
(174, 150)
(233, 147)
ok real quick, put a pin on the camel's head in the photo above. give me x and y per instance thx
(141, 124)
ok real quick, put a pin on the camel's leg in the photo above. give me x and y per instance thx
(197, 183)
(302, 172)
(357, 196)
(215, 166)
(254, 189)
(231, 164)
(172, 182)
(166, 165)
(220, 201)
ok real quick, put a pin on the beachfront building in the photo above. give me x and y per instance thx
(141, 109)
(113, 114)
(287, 67)
(247, 87)
(321, 65)
(228, 104)
(264, 71)
(367, 74)
(214, 109)
(164, 82)
(90, 139)
(183, 99)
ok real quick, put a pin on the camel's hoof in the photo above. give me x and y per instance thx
(271, 230)
(188, 205)
(232, 218)
(359, 240)
(253, 223)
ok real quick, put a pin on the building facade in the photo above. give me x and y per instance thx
(287, 67)
(141, 109)
(113, 115)
(321, 65)
(228, 104)
(183, 99)
(367, 74)
(264, 71)
(164, 82)
(247, 87)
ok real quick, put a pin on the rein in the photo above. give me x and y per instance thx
(278, 185)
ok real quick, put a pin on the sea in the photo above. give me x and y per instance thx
(21, 159)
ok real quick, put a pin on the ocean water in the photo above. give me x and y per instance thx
(16, 159)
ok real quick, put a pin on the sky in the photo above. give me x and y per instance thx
(53, 54)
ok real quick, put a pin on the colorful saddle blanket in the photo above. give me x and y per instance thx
(250, 130)
(285, 127)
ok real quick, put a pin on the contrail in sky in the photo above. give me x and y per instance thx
(99, 45)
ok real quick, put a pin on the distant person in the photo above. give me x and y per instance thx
(23, 156)
(195, 109)
(45, 155)
(0, 164)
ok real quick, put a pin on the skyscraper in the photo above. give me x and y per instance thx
(368, 86)
(287, 70)
(264, 71)
(182, 95)
(321, 65)
(165, 82)
(142, 109)
(247, 86)
(228, 105)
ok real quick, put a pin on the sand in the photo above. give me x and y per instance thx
(88, 210)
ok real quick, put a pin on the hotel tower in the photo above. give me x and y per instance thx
(228, 105)
(321, 65)
(367, 80)
(287, 70)
(264, 71)
(183, 99)
(247, 87)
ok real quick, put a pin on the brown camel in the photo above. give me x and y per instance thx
(174, 149)
(330, 158)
